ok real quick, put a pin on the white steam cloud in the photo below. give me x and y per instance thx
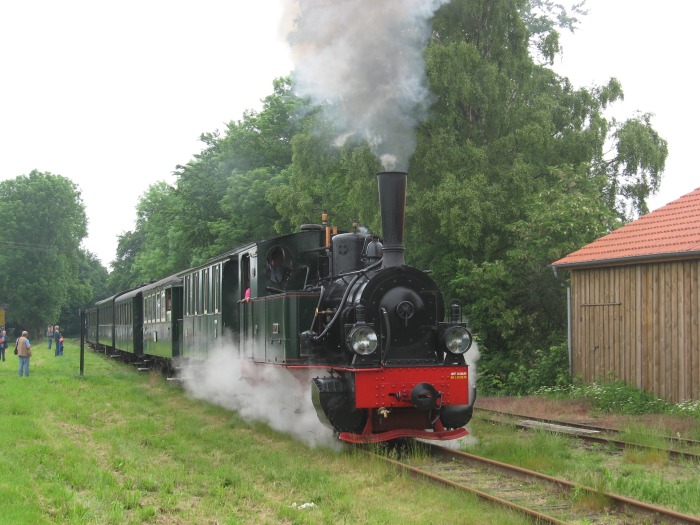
(362, 60)
(471, 357)
(272, 396)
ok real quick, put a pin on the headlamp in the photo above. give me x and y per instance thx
(457, 339)
(362, 340)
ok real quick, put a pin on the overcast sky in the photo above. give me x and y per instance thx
(114, 95)
(651, 48)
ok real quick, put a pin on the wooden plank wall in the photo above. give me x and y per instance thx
(639, 323)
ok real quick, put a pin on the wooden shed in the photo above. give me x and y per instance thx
(634, 303)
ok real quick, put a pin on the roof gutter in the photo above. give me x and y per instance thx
(628, 260)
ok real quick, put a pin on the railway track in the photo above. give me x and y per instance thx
(682, 448)
(543, 498)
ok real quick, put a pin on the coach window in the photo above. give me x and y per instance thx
(197, 293)
(168, 304)
(216, 285)
(187, 286)
(190, 295)
(186, 295)
(279, 264)
(206, 307)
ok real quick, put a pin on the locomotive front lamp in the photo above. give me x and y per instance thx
(457, 339)
(362, 340)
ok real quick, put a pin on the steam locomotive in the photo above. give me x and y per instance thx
(385, 362)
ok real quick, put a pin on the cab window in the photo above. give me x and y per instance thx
(279, 264)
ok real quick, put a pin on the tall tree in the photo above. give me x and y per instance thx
(516, 168)
(44, 224)
(92, 286)
(124, 273)
(220, 197)
(156, 220)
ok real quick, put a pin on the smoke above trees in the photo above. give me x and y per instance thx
(362, 62)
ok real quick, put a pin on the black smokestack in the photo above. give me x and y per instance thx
(392, 201)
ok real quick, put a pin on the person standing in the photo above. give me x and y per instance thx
(3, 344)
(49, 335)
(24, 352)
(58, 341)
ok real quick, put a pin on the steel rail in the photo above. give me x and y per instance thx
(420, 473)
(620, 501)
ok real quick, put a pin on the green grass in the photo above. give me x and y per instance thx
(118, 446)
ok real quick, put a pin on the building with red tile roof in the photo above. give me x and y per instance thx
(669, 232)
(634, 303)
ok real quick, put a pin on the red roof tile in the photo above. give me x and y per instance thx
(673, 230)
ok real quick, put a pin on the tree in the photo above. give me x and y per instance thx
(157, 215)
(92, 286)
(247, 212)
(44, 224)
(220, 198)
(515, 169)
(124, 270)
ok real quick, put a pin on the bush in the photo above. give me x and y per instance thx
(614, 396)
(621, 398)
(687, 408)
(546, 368)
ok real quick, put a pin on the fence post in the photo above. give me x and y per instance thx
(82, 342)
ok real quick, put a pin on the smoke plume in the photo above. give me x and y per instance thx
(362, 61)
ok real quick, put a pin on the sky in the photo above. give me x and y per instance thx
(114, 95)
(650, 47)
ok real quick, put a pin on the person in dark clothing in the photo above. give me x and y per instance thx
(58, 341)
(3, 344)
